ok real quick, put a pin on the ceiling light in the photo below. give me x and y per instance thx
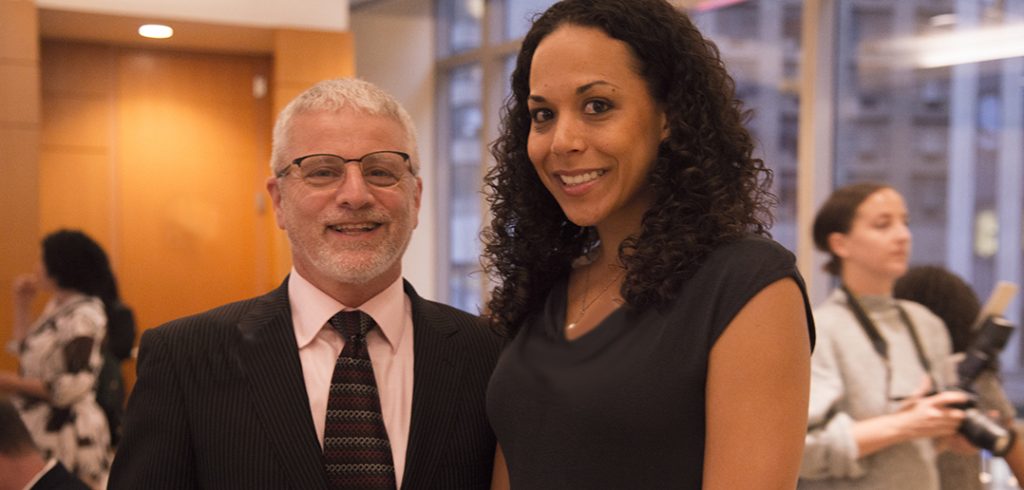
(953, 48)
(942, 20)
(959, 48)
(156, 31)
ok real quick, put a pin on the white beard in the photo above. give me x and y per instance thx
(363, 264)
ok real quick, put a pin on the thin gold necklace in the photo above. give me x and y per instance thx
(586, 288)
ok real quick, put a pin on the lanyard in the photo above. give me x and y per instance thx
(876, 338)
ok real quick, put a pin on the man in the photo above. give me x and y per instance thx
(243, 396)
(22, 464)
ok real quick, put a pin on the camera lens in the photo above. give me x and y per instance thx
(984, 433)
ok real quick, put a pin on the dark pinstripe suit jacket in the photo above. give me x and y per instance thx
(220, 403)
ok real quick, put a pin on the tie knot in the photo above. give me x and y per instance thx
(352, 324)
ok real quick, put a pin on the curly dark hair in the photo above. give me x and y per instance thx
(946, 295)
(836, 216)
(708, 188)
(75, 261)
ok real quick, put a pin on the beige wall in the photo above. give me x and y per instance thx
(395, 50)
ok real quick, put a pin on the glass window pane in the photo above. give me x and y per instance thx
(760, 44)
(464, 134)
(461, 22)
(518, 15)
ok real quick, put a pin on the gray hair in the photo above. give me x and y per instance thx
(334, 95)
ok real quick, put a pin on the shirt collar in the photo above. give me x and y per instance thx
(312, 308)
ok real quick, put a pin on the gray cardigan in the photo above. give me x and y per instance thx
(850, 381)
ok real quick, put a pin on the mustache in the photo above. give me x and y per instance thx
(377, 216)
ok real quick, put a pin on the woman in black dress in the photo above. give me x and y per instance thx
(661, 340)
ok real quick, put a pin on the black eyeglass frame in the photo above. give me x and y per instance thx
(405, 156)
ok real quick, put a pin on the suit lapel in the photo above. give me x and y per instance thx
(436, 368)
(268, 357)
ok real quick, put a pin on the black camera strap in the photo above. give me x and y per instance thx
(877, 341)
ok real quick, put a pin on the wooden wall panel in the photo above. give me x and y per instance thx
(193, 141)
(162, 156)
(18, 31)
(78, 69)
(81, 123)
(19, 149)
(19, 208)
(76, 151)
(302, 58)
(19, 99)
(74, 192)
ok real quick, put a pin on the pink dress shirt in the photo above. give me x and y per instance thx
(390, 348)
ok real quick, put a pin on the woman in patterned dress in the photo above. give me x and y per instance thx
(60, 355)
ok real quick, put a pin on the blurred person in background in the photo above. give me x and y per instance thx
(953, 300)
(877, 403)
(60, 354)
(116, 349)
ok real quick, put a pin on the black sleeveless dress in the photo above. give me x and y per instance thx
(623, 405)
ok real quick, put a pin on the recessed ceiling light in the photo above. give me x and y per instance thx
(156, 31)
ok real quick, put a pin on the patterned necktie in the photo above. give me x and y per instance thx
(357, 452)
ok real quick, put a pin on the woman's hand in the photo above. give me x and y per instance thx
(932, 416)
(919, 416)
(11, 382)
(25, 288)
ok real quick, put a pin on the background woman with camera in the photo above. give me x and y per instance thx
(874, 419)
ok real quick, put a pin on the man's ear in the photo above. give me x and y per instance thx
(274, 188)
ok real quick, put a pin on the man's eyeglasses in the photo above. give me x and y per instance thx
(379, 169)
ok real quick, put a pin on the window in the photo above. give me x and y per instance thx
(924, 105)
(760, 44)
(464, 132)
(478, 41)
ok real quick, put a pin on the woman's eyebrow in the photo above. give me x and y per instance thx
(587, 86)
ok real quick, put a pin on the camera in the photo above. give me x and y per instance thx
(976, 427)
(984, 432)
